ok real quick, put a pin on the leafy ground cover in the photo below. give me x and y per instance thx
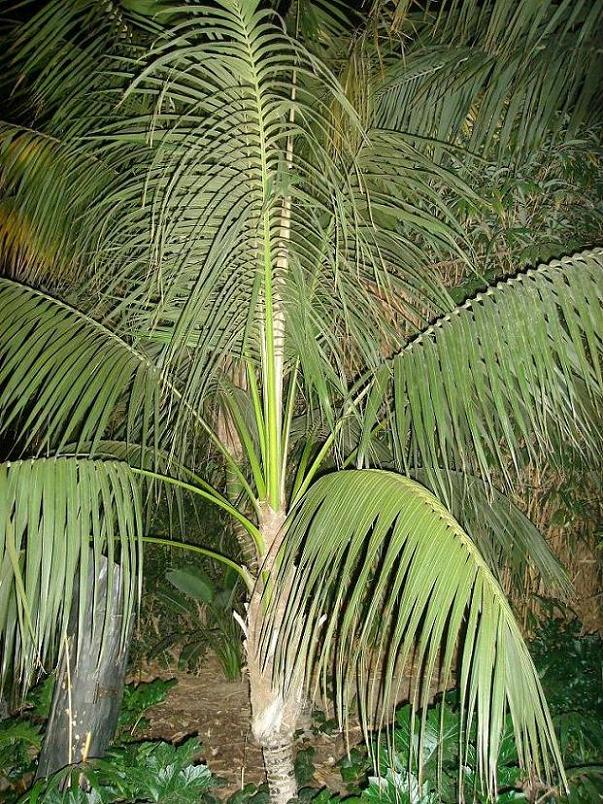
(142, 770)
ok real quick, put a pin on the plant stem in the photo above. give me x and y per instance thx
(251, 529)
(193, 548)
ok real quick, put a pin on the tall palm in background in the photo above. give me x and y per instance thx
(215, 244)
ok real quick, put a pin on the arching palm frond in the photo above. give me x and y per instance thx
(52, 511)
(49, 187)
(377, 578)
(495, 73)
(64, 376)
(219, 180)
(246, 173)
(505, 375)
(319, 23)
(221, 188)
(508, 541)
(72, 386)
(64, 48)
(65, 70)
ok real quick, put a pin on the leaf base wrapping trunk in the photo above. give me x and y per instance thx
(274, 723)
(274, 714)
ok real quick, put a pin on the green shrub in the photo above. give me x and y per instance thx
(138, 699)
(137, 772)
(21, 739)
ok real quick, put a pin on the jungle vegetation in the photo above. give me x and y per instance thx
(228, 234)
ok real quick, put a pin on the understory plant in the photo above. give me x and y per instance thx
(569, 665)
(231, 252)
(189, 609)
(417, 760)
(215, 621)
(140, 773)
(21, 738)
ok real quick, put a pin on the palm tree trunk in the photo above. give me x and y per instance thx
(274, 713)
(274, 721)
(280, 770)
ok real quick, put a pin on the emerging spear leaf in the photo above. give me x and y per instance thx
(382, 577)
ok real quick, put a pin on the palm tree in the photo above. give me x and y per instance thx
(220, 250)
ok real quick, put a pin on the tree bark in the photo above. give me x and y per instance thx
(89, 685)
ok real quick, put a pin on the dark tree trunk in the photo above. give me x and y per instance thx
(89, 684)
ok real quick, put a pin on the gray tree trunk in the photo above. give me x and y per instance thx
(89, 684)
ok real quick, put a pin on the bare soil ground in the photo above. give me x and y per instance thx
(216, 710)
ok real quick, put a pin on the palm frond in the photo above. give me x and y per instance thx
(57, 516)
(494, 73)
(62, 69)
(66, 378)
(220, 179)
(60, 48)
(224, 116)
(384, 580)
(508, 541)
(506, 375)
(48, 189)
(63, 375)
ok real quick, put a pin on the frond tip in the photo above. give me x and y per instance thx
(58, 516)
(382, 577)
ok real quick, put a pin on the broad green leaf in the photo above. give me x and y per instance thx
(193, 582)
